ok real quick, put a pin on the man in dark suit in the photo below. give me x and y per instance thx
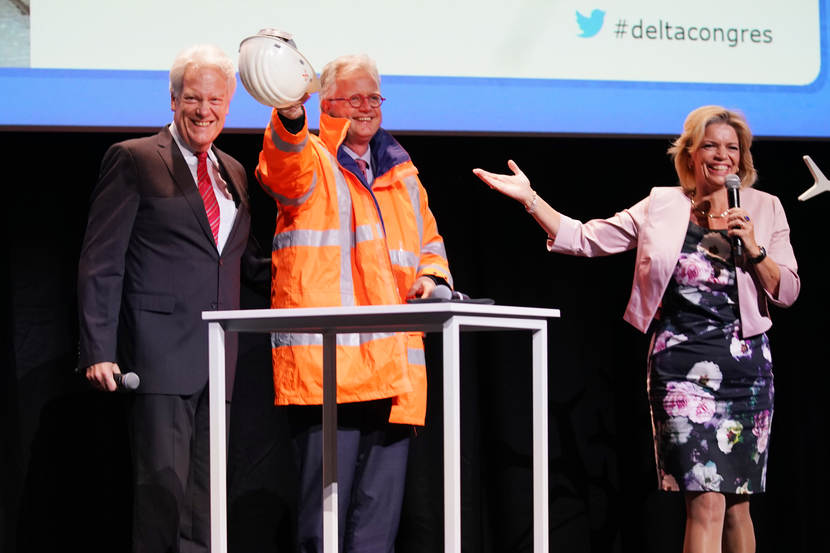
(167, 235)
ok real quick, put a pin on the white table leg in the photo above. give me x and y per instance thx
(218, 452)
(452, 437)
(541, 541)
(330, 532)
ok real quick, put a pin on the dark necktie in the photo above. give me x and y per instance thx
(208, 197)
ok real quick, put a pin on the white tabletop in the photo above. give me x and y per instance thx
(423, 317)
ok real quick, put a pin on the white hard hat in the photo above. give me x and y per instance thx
(273, 71)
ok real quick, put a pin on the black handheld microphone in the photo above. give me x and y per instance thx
(733, 187)
(126, 382)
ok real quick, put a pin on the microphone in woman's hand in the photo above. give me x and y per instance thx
(733, 193)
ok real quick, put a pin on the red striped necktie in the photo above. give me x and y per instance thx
(208, 196)
(361, 163)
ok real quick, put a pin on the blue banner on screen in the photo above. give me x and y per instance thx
(535, 66)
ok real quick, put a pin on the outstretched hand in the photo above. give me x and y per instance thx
(516, 186)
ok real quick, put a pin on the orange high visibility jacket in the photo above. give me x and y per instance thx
(340, 242)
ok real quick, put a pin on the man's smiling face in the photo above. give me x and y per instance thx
(199, 110)
(365, 120)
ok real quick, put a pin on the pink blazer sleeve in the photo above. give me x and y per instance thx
(599, 237)
(781, 251)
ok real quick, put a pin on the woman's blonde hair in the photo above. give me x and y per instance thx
(694, 129)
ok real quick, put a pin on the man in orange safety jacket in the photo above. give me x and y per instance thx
(353, 228)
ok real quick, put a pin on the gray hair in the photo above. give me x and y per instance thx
(344, 64)
(201, 55)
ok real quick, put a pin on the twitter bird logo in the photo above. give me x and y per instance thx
(590, 25)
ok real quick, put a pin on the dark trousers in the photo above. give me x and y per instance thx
(169, 437)
(371, 472)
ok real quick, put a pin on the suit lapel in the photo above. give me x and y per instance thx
(238, 191)
(183, 178)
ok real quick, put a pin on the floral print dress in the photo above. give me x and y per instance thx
(711, 392)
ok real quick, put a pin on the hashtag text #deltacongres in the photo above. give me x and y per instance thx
(663, 30)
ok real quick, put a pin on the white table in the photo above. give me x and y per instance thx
(450, 318)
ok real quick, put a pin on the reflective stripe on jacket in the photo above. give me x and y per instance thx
(339, 242)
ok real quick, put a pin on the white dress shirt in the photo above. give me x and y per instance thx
(227, 207)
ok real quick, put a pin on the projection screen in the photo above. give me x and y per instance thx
(461, 66)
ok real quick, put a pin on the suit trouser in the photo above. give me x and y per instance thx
(170, 438)
(371, 473)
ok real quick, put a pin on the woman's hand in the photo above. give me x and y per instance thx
(516, 186)
(739, 224)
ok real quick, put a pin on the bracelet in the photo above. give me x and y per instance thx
(531, 205)
(760, 257)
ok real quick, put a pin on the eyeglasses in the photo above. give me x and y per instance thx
(356, 100)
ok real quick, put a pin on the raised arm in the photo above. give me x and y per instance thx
(287, 169)
(596, 237)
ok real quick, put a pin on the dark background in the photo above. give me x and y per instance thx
(64, 465)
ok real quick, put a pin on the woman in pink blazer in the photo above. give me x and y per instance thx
(706, 307)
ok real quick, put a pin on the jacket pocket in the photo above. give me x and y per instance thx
(157, 303)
